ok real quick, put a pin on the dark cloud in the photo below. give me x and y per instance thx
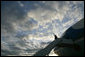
(11, 12)
(9, 52)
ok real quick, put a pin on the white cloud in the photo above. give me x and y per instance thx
(43, 15)
(26, 24)
(69, 23)
(58, 10)
(21, 4)
(37, 37)
(4, 46)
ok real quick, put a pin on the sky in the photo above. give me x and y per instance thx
(28, 26)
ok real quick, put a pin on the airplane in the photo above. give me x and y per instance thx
(76, 34)
(70, 44)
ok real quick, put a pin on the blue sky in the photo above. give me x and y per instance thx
(24, 22)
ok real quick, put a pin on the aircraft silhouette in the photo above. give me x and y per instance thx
(70, 39)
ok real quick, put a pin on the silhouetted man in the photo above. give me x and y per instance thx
(55, 36)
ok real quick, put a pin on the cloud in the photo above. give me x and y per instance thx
(9, 15)
(68, 23)
(36, 24)
(13, 17)
(57, 10)
(42, 13)
(16, 19)
(6, 50)
(21, 4)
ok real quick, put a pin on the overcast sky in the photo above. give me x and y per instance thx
(27, 26)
